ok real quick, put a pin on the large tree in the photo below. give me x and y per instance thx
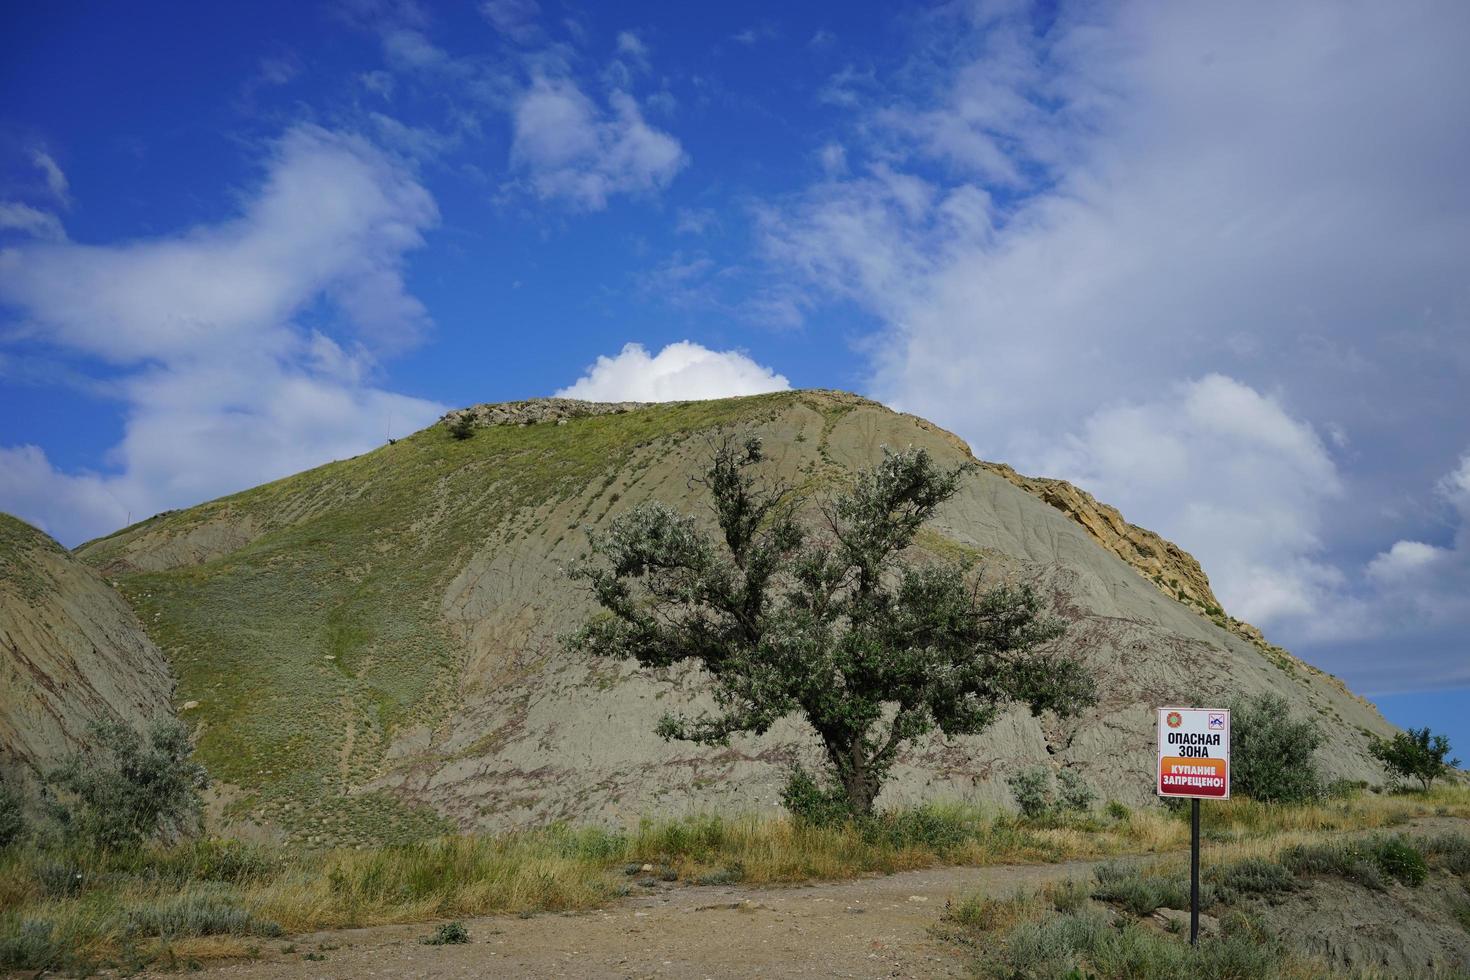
(829, 623)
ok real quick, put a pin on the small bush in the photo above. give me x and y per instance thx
(1368, 863)
(1415, 754)
(1449, 851)
(1252, 876)
(1400, 860)
(198, 914)
(448, 934)
(724, 876)
(125, 791)
(1073, 793)
(31, 944)
(1117, 811)
(1141, 893)
(1273, 756)
(1036, 799)
(936, 828)
(59, 879)
(811, 803)
(1032, 790)
(1068, 896)
(12, 816)
(1336, 860)
(1089, 945)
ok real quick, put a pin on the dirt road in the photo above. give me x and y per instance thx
(870, 927)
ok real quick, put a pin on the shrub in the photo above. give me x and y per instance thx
(198, 914)
(30, 944)
(1036, 799)
(1073, 793)
(1368, 863)
(125, 791)
(811, 803)
(1450, 851)
(1399, 859)
(1032, 791)
(1415, 754)
(1273, 756)
(1118, 811)
(463, 427)
(1141, 893)
(1086, 944)
(448, 934)
(12, 817)
(1252, 876)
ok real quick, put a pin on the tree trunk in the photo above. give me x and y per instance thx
(856, 775)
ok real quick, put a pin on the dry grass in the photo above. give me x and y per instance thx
(223, 898)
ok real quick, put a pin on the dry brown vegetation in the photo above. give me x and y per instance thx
(214, 899)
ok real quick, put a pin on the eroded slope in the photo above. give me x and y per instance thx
(375, 649)
(71, 653)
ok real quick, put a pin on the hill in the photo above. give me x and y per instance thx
(370, 649)
(71, 653)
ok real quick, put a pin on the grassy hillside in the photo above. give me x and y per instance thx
(369, 650)
(307, 648)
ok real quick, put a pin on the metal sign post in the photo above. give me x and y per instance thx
(1194, 764)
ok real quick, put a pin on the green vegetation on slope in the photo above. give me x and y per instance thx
(309, 647)
(17, 539)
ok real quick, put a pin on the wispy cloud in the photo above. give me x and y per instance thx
(570, 148)
(1096, 247)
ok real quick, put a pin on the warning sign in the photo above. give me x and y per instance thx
(1194, 753)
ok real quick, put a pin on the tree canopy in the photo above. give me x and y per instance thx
(831, 624)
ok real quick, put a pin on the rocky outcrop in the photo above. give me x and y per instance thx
(71, 653)
(1173, 570)
(536, 410)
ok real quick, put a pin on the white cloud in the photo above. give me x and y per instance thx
(571, 149)
(1066, 235)
(1215, 463)
(225, 390)
(31, 221)
(56, 181)
(683, 371)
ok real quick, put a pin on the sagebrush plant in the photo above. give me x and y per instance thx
(12, 815)
(1417, 754)
(832, 626)
(1273, 755)
(1036, 799)
(125, 789)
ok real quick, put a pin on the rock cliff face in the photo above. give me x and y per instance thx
(373, 648)
(71, 653)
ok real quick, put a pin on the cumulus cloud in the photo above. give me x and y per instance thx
(1226, 469)
(570, 148)
(224, 387)
(1154, 239)
(683, 371)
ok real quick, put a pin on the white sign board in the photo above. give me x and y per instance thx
(1194, 753)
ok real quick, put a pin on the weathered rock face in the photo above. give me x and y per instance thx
(71, 653)
(385, 632)
(1171, 568)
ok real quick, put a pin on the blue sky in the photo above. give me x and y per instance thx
(1208, 262)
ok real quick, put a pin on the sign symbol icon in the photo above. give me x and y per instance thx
(1217, 721)
(1174, 719)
